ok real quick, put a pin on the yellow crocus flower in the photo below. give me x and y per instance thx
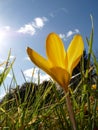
(59, 63)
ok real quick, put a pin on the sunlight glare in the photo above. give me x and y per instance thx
(2, 36)
(4, 33)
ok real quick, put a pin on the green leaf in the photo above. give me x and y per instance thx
(7, 69)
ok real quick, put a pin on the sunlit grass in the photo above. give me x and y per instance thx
(43, 106)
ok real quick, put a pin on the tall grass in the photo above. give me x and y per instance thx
(43, 107)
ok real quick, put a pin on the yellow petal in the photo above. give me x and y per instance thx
(39, 60)
(61, 76)
(55, 50)
(74, 52)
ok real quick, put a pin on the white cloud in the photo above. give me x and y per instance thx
(77, 31)
(29, 73)
(69, 34)
(62, 36)
(30, 28)
(33, 73)
(27, 29)
(39, 22)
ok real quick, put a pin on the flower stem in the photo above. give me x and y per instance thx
(71, 113)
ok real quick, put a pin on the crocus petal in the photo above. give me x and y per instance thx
(74, 52)
(61, 76)
(55, 50)
(39, 60)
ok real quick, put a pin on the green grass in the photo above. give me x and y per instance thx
(42, 107)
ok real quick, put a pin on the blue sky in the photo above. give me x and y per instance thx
(28, 22)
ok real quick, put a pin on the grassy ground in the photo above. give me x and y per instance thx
(43, 106)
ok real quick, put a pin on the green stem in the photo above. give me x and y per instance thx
(70, 110)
